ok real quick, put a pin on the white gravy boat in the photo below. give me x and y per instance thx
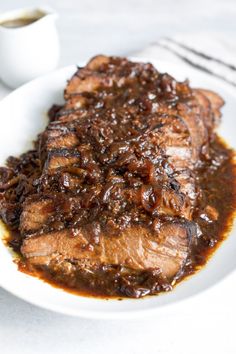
(29, 45)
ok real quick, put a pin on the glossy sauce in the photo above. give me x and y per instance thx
(219, 188)
(113, 179)
(21, 21)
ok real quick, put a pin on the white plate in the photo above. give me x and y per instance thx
(23, 116)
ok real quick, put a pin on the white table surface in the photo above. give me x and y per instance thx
(204, 324)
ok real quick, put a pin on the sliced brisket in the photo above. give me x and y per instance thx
(114, 182)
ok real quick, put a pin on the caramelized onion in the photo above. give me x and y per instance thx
(150, 197)
(10, 183)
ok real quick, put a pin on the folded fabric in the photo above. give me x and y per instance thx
(211, 54)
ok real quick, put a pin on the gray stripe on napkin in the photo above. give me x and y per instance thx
(200, 63)
(208, 54)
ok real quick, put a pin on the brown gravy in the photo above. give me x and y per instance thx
(111, 177)
(218, 185)
(20, 22)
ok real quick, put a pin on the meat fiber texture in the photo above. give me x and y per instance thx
(117, 175)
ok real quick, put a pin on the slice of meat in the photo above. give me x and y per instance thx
(191, 115)
(97, 61)
(70, 116)
(135, 248)
(63, 141)
(173, 136)
(216, 103)
(116, 172)
(206, 110)
(35, 214)
(40, 212)
(87, 80)
(58, 159)
(103, 72)
(79, 85)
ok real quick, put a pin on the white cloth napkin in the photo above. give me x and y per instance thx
(212, 54)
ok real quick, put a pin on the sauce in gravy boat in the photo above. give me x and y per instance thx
(29, 45)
